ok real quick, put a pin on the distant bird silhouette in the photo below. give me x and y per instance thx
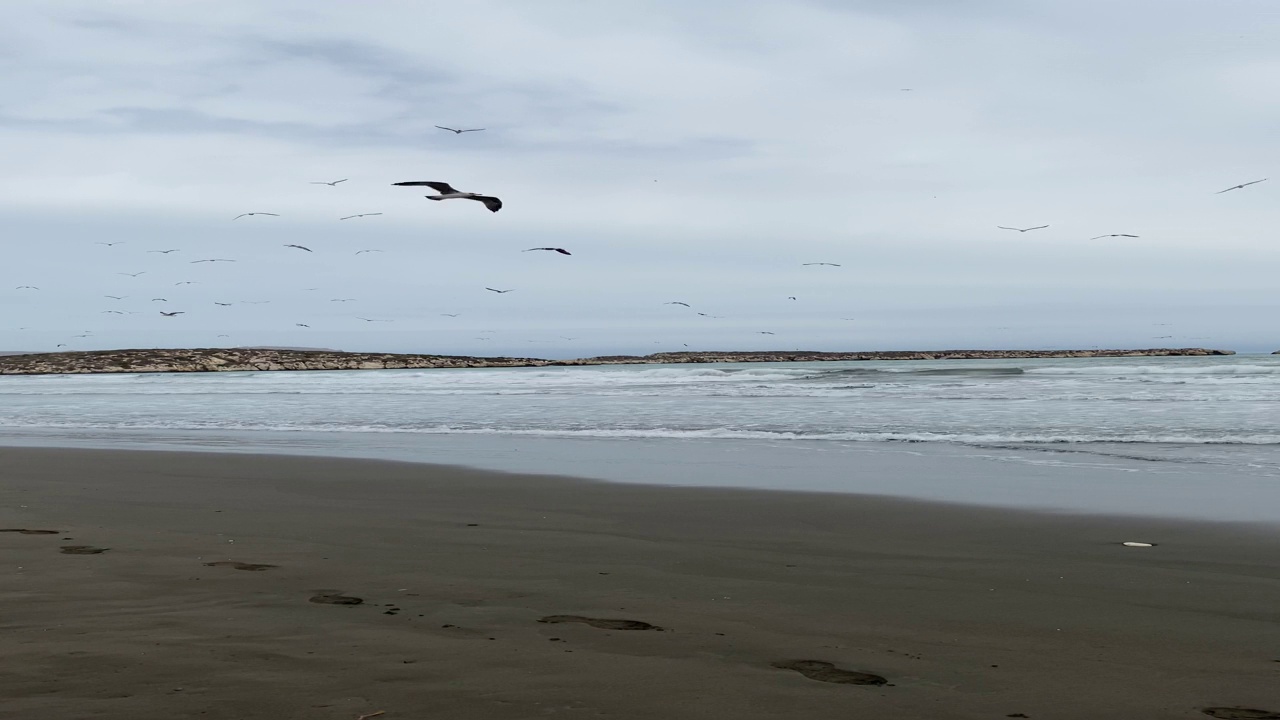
(343, 300)
(187, 282)
(450, 314)
(823, 263)
(144, 272)
(60, 345)
(224, 336)
(159, 300)
(498, 291)
(215, 302)
(459, 132)
(302, 325)
(1242, 185)
(121, 242)
(330, 184)
(163, 252)
(791, 297)
(193, 262)
(1113, 235)
(710, 315)
(254, 213)
(677, 302)
(358, 252)
(112, 312)
(562, 251)
(172, 314)
(26, 287)
(370, 319)
(116, 297)
(1022, 230)
(448, 192)
(359, 216)
(300, 247)
(766, 332)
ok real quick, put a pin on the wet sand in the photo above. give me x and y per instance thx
(237, 586)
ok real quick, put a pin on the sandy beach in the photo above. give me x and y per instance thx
(236, 586)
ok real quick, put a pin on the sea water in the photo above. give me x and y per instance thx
(1213, 422)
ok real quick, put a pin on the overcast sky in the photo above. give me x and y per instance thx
(694, 152)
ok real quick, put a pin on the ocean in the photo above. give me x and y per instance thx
(1059, 434)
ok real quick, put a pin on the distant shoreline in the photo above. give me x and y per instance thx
(260, 359)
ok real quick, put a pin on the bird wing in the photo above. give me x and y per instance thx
(471, 130)
(1002, 227)
(562, 251)
(493, 203)
(445, 128)
(1038, 227)
(441, 187)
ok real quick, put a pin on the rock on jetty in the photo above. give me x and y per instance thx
(250, 359)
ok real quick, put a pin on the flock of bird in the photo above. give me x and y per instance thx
(444, 191)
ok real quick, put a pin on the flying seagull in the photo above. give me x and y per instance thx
(562, 251)
(447, 192)
(1113, 235)
(370, 319)
(112, 312)
(450, 314)
(144, 272)
(330, 184)
(365, 251)
(159, 300)
(791, 297)
(359, 216)
(459, 132)
(172, 314)
(109, 244)
(343, 300)
(116, 297)
(254, 213)
(300, 247)
(215, 302)
(677, 302)
(163, 252)
(26, 287)
(187, 282)
(1237, 187)
(1038, 227)
(831, 264)
(498, 291)
(302, 325)
(193, 262)
(766, 332)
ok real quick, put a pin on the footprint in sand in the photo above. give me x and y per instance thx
(602, 623)
(1239, 713)
(827, 672)
(336, 599)
(254, 567)
(82, 550)
(26, 531)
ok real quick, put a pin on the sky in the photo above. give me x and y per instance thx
(691, 152)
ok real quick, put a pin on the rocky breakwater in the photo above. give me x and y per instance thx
(250, 359)
(818, 356)
(236, 359)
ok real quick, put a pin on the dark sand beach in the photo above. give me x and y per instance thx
(216, 586)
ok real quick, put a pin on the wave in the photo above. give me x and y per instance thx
(709, 433)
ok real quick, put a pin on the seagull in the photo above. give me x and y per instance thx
(215, 302)
(330, 184)
(562, 251)
(370, 319)
(365, 251)
(26, 287)
(677, 302)
(498, 291)
(163, 252)
(144, 272)
(299, 247)
(450, 314)
(1113, 235)
(1038, 227)
(359, 216)
(447, 192)
(765, 332)
(831, 264)
(791, 297)
(224, 336)
(109, 244)
(60, 345)
(1237, 187)
(172, 314)
(193, 262)
(159, 300)
(459, 132)
(302, 325)
(186, 282)
(254, 213)
(343, 300)
(112, 312)
(116, 297)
